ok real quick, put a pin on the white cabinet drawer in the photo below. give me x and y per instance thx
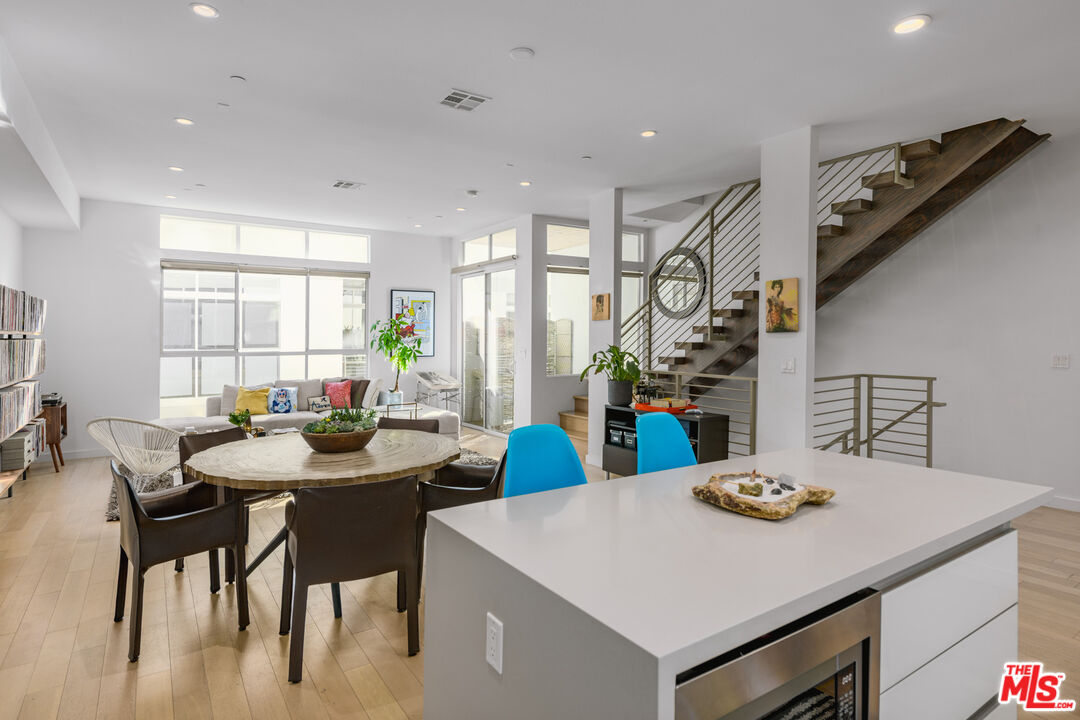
(922, 617)
(959, 682)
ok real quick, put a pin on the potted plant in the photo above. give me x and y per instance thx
(622, 369)
(241, 419)
(396, 339)
(343, 430)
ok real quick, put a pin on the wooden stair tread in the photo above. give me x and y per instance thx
(919, 150)
(573, 414)
(718, 331)
(744, 295)
(581, 397)
(729, 313)
(881, 180)
(675, 360)
(689, 345)
(584, 437)
(826, 231)
(853, 206)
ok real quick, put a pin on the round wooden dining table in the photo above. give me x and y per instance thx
(285, 463)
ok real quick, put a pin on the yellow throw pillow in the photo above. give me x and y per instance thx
(254, 401)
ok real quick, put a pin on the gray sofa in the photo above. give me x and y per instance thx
(218, 408)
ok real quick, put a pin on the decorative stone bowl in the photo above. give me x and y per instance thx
(339, 442)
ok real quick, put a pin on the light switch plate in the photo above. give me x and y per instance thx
(493, 646)
(1060, 361)
(787, 366)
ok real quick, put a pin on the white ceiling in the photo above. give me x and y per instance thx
(350, 89)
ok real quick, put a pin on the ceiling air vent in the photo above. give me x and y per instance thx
(347, 185)
(463, 100)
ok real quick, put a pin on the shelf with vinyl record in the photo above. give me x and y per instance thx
(22, 360)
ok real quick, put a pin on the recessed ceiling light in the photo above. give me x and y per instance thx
(586, 157)
(170, 197)
(183, 121)
(522, 53)
(525, 183)
(911, 24)
(648, 133)
(238, 78)
(460, 209)
(176, 168)
(204, 10)
(417, 225)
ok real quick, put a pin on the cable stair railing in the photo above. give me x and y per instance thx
(698, 322)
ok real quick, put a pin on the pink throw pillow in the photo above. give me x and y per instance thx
(340, 394)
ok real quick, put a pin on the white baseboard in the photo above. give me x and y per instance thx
(45, 458)
(1064, 503)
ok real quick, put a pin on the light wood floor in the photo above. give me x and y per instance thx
(61, 655)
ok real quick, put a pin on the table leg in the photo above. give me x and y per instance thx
(267, 551)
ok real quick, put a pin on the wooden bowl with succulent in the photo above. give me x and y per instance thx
(343, 430)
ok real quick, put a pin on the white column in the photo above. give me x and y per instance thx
(605, 273)
(788, 250)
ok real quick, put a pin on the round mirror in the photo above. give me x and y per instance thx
(679, 285)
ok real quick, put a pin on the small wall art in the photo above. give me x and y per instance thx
(601, 306)
(782, 305)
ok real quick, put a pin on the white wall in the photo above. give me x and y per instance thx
(11, 252)
(980, 300)
(103, 287)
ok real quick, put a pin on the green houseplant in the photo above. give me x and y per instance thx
(622, 368)
(397, 341)
(241, 419)
(343, 430)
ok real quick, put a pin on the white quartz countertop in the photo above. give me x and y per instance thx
(685, 580)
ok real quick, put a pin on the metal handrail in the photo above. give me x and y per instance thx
(861, 434)
(725, 240)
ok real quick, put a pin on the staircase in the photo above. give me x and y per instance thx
(576, 422)
(701, 310)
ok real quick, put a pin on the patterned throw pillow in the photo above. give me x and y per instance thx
(340, 393)
(282, 399)
(319, 404)
(254, 401)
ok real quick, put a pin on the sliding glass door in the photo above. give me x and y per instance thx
(487, 343)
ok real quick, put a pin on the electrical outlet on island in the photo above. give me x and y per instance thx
(493, 646)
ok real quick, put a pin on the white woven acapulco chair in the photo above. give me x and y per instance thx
(147, 450)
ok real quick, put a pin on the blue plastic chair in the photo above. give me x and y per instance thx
(662, 443)
(538, 458)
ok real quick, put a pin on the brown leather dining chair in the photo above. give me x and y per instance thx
(456, 484)
(147, 541)
(207, 494)
(345, 533)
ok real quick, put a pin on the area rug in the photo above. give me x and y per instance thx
(468, 457)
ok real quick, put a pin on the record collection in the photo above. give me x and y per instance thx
(21, 312)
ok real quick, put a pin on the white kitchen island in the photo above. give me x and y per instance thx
(608, 591)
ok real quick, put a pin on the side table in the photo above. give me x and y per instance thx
(55, 430)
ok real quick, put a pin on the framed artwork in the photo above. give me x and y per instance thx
(782, 305)
(601, 306)
(418, 307)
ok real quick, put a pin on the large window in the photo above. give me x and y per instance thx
(489, 247)
(287, 324)
(212, 236)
